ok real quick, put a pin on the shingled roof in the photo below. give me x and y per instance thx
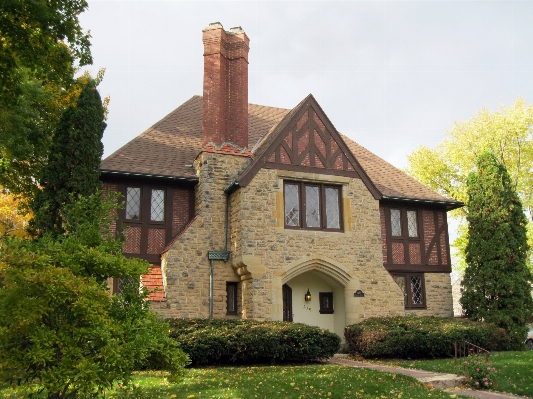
(169, 147)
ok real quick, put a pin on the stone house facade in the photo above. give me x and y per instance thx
(250, 211)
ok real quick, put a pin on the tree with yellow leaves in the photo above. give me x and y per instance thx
(507, 133)
(12, 222)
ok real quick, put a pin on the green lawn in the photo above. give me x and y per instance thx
(514, 370)
(273, 382)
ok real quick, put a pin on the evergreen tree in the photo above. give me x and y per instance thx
(73, 161)
(496, 285)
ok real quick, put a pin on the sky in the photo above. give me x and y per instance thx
(391, 75)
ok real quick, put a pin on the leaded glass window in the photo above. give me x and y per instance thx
(292, 205)
(312, 206)
(412, 285)
(416, 290)
(412, 225)
(332, 208)
(396, 222)
(320, 205)
(133, 203)
(157, 206)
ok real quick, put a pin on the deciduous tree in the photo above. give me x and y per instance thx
(12, 222)
(507, 133)
(41, 45)
(497, 283)
(44, 37)
(60, 330)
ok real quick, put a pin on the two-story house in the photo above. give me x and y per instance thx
(251, 211)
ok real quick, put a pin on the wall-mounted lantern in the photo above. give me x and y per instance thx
(307, 296)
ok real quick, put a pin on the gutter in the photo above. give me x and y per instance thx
(448, 204)
(113, 173)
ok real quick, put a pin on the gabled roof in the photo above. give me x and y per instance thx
(306, 138)
(169, 147)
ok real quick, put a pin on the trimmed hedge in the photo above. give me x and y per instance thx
(223, 341)
(411, 337)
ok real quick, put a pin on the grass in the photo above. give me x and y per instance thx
(514, 370)
(273, 382)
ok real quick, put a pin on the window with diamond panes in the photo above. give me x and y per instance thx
(133, 203)
(396, 222)
(412, 225)
(416, 290)
(320, 205)
(412, 285)
(312, 206)
(332, 208)
(157, 205)
(292, 205)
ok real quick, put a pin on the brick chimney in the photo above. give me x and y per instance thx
(225, 107)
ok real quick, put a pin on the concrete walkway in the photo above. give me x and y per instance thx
(449, 382)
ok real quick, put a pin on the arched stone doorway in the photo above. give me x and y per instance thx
(332, 305)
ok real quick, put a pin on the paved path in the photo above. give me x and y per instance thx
(449, 382)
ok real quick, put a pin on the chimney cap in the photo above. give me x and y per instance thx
(214, 25)
(236, 29)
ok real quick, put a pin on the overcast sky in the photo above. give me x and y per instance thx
(390, 74)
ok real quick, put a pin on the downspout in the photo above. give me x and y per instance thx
(211, 274)
(226, 222)
(214, 255)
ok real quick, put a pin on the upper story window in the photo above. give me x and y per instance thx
(404, 223)
(312, 206)
(134, 205)
(157, 205)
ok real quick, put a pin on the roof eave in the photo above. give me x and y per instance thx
(116, 173)
(450, 205)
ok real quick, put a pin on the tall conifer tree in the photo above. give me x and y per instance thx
(73, 161)
(497, 282)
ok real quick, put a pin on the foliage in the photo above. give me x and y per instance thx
(496, 285)
(223, 341)
(479, 372)
(12, 222)
(59, 327)
(294, 382)
(73, 161)
(513, 376)
(26, 130)
(420, 337)
(507, 133)
(44, 37)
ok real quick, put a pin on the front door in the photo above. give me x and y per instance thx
(287, 303)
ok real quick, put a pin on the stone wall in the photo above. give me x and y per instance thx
(264, 253)
(438, 296)
(186, 267)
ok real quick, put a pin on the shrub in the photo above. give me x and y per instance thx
(222, 341)
(420, 337)
(479, 372)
